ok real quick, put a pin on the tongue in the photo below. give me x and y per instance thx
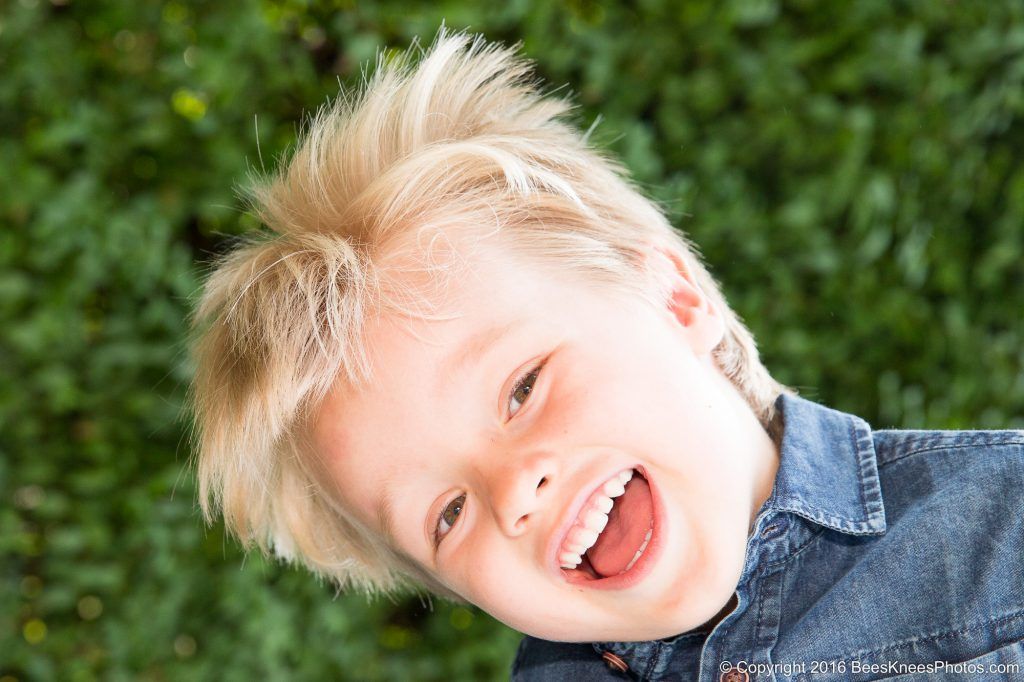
(628, 523)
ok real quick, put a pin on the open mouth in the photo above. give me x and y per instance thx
(612, 532)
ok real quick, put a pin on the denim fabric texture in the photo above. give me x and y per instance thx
(877, 554)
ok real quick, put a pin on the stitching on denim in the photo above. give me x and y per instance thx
(795, 505)
(760, 610)
(989, 438)
(763, 586)
(815, 533)
(652, 664)
(725, 635)
(869, 474)
(851, 434)
(933, 637)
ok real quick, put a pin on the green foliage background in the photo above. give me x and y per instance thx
(851, 170)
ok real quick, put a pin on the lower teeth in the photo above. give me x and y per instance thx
(636, 557)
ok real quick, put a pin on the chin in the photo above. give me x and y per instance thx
(698, 593)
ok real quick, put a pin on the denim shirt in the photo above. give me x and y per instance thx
(878, 555)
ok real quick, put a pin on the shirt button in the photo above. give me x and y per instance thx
(774, 531)
(735, 675)
(614, 662)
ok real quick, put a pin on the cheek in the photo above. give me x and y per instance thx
(712, 492)
(485, 570)
(537, 609)
(499, 582)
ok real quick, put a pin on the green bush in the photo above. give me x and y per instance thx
(850, 170)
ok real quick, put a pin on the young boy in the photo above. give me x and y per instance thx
(472, 357)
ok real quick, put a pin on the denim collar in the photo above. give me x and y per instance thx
(828, 474)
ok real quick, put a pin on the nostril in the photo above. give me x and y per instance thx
(543, 481)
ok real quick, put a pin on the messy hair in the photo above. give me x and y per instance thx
(463, 136)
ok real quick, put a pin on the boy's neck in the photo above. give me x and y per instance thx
(726, 610)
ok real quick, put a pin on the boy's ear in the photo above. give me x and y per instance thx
(700, 320)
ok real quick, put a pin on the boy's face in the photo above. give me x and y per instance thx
(498, 429)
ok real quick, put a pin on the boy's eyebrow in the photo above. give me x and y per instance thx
(386, 517)
(474, 346)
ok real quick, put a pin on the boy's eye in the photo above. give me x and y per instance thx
(521, 391)
(448, 516)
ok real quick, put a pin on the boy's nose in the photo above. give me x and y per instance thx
(521, 489)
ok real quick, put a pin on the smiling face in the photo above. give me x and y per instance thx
(497, 441)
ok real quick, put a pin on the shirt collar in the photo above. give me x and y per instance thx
(828, 474)
(828, 471)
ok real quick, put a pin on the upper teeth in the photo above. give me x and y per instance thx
(592, 519)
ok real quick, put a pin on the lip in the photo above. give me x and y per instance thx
(644, 564)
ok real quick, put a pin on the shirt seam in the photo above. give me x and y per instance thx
(839, 524)
(815, 534)
(652, 664)
(851, 433)
(958, 446)
(760, 613)
(868, 465)
(931, 637)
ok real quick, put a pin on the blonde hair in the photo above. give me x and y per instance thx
(464, 137)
